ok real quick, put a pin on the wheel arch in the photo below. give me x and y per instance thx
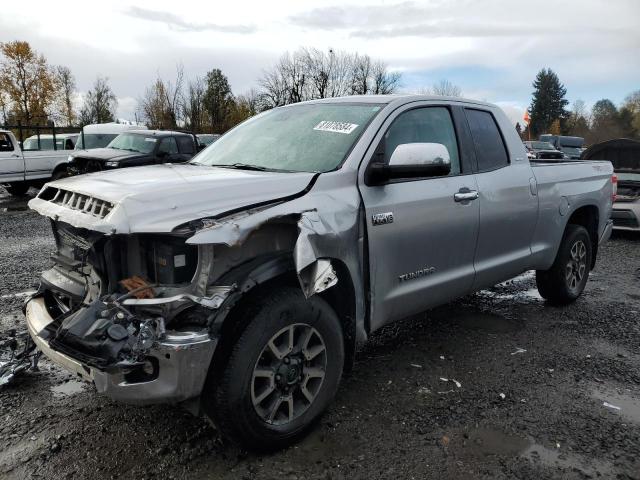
(268, 271)
(588, 216)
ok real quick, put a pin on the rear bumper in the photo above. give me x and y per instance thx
(182, 361)
(626, 216)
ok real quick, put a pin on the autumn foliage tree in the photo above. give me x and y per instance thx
(28, 83)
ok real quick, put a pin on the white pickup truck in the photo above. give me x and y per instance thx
(20, 169)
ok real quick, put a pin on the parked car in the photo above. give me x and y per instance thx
(206, 139)
(135, 148)
(22, 169)
(64, 141)
(624, 154)
(99, 135)
(241, 282)
(542, 150)
(571, 147)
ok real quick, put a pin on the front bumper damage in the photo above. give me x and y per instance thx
(180, 359)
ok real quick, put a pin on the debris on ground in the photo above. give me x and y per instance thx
(518, 350)
(17, 354)
(608, 405)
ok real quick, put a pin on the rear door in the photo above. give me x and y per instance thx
(11, 161)
(508, 202)
(421, 241)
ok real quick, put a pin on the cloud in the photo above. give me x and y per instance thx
(178, 23)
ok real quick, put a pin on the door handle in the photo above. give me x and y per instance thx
(466, 195)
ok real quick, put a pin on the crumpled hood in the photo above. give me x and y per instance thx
(105, 154)
(158, 198)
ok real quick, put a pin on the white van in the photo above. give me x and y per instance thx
(99, 135)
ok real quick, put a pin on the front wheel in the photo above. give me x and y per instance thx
(282, 373)
(564, 282)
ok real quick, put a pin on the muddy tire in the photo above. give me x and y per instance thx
(17, 189)
(282, 373)
(564, 282)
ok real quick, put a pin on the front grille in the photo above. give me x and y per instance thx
(77, 201)
(624, 218)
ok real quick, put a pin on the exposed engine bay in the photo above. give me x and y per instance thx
(113, 297)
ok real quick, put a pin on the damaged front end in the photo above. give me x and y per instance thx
(132, 313)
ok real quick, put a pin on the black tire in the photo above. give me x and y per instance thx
(228, 396)
(17, 189)
(564, 282)
(60, 173)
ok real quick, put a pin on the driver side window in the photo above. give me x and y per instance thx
(168, 145)
(422, 125)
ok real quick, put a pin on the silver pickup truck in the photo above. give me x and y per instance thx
(240, 283)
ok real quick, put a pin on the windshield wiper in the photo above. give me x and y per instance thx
(244, 166)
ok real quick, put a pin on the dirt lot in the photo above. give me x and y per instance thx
(497, 385)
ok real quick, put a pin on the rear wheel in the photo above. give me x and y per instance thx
(564, 282)
(282, 373)
(17, 189)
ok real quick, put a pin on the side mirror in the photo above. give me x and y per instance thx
(413, 160)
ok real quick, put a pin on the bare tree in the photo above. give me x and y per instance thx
(446, 88)
(195, 115)
(383, 82)
(162, 104)
(66, 89)
(100, 103)
(309, 73)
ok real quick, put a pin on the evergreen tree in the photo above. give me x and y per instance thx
(548, 104)
(217, 99)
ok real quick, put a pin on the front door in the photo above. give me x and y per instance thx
(11, 161)
(421, 235)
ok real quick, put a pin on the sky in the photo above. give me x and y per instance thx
(492, 49)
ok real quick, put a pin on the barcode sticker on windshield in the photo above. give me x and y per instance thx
(337, 127)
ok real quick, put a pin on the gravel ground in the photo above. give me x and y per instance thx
(496, 385)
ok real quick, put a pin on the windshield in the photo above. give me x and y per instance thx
(300, 138)
(629, 177)
(207, 139)
(133, 142)
(571, 150)
(542, 146)
(95, 140)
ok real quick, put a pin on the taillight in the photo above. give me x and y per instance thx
(614, 183)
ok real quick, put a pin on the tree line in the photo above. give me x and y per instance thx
(548, 113)
(36, 93)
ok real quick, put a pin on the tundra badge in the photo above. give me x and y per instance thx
(382, 218)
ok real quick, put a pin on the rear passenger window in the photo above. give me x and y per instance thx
(185, 144)
(490, 150)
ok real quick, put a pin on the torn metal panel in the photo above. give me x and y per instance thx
(317, 277)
